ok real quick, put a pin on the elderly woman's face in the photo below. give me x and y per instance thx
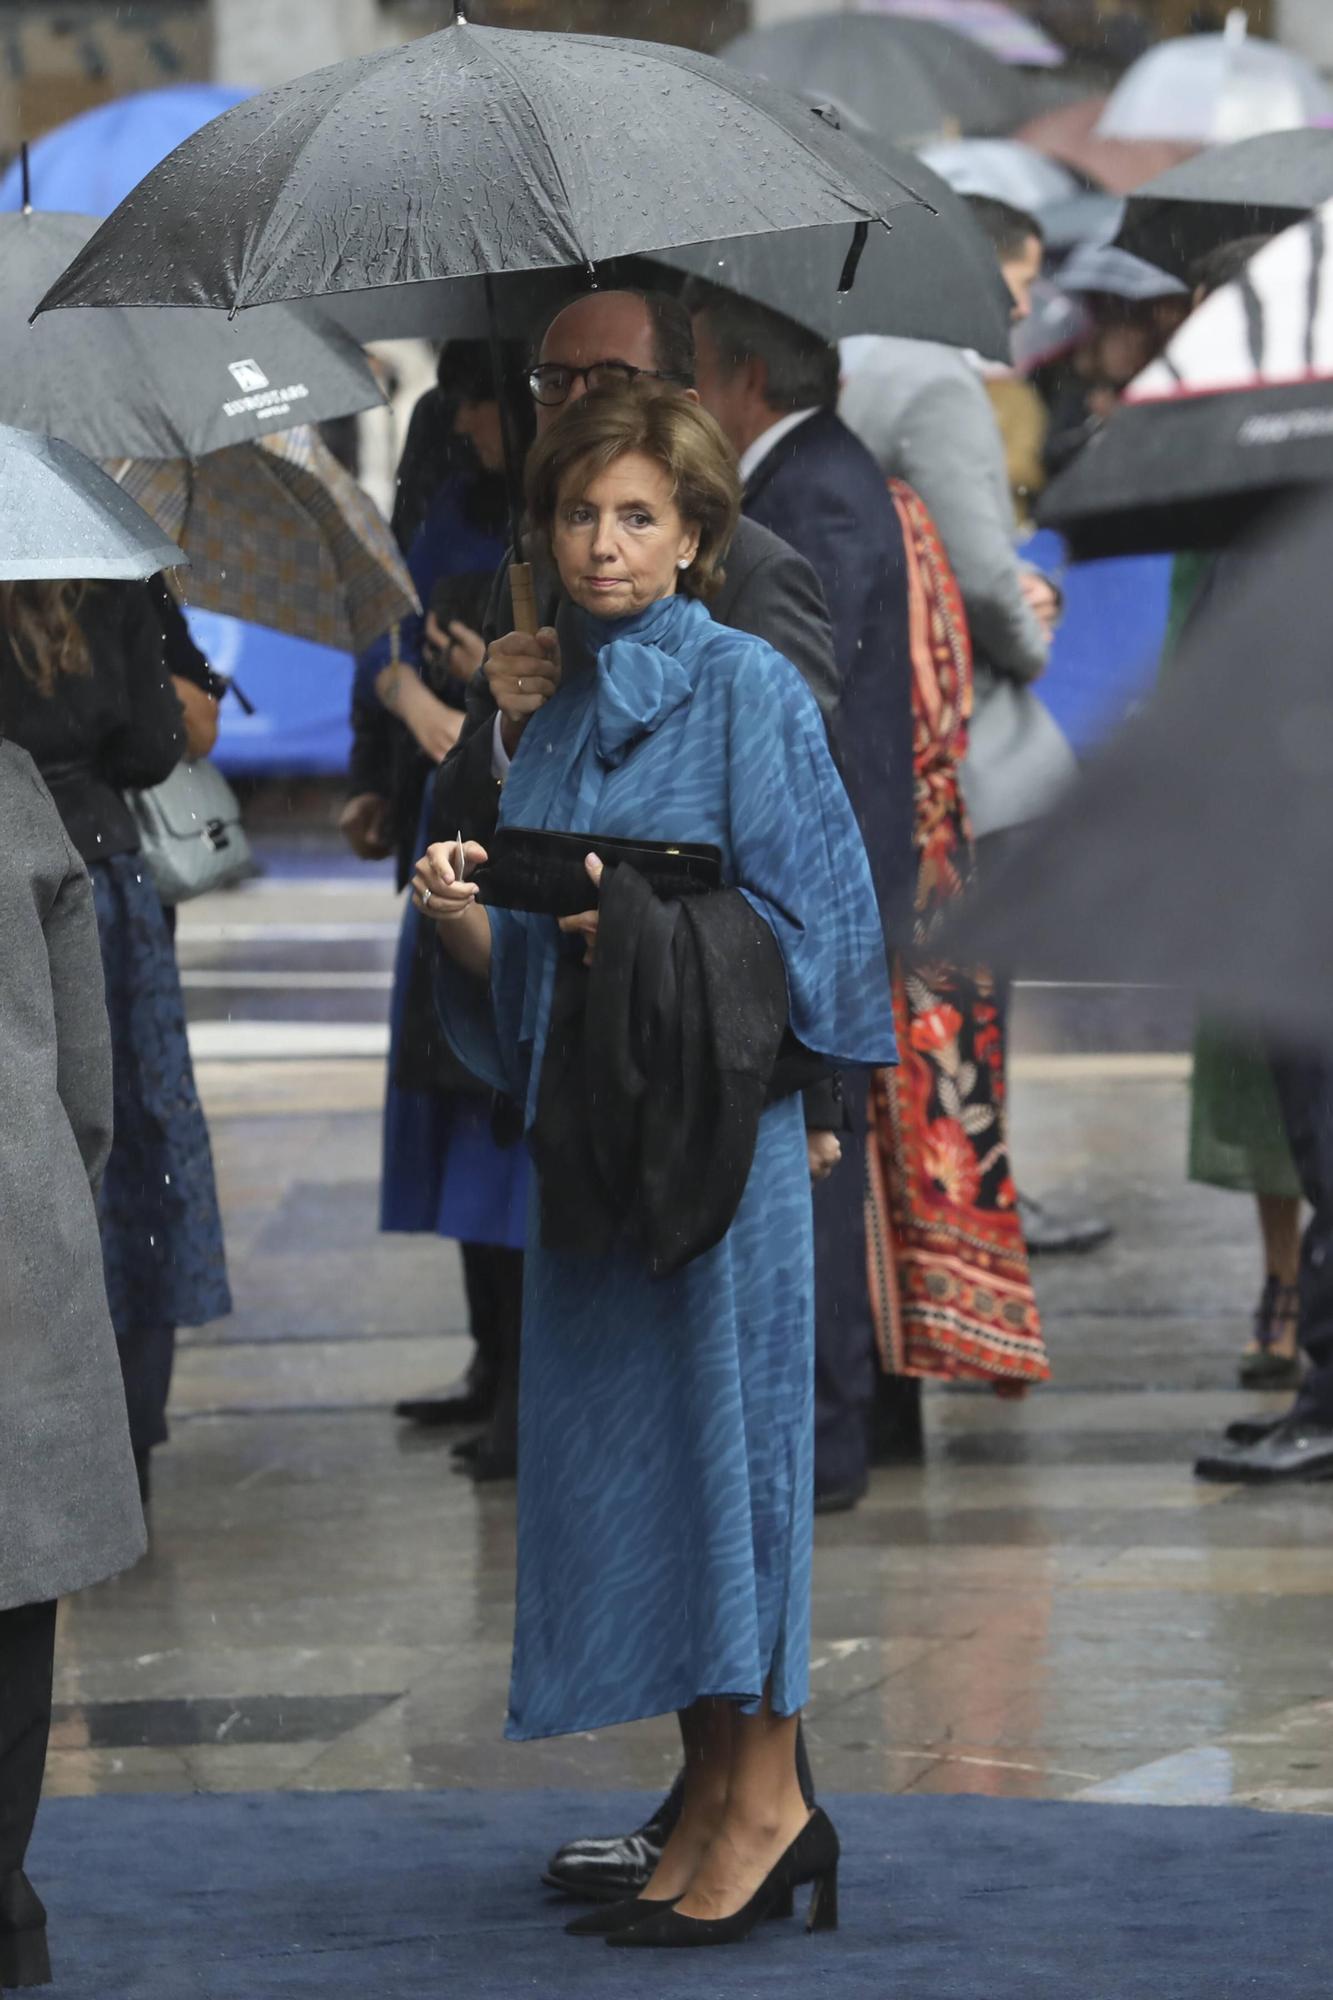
(618, 537)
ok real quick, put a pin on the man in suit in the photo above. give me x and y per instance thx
(773, 387)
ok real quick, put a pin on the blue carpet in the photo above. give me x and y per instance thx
(391, 1896)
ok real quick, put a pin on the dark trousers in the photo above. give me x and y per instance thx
(147, 1359)
(27, 1660)
(1305, 1093)
(845, 1358)
(493, 1280)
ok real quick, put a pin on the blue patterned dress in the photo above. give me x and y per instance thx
(666, 1424)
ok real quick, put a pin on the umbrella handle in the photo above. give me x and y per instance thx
(524, 597)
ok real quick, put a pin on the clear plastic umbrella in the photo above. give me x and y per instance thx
(1204, 89)
(1009, 35)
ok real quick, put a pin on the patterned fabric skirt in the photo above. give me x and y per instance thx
(949, 1280)
(161, 1228)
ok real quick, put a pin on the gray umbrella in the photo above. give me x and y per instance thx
(127, 384)
(62, 516)
(1256, 187)
(1197, 850)
(907, 80)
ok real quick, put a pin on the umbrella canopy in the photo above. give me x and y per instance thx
(1004, 169)
(1238, 409)
(1204, 89)
(60, 516)
(957, 295)
(278, 534)
(1256, 187)
(428, 168)
(1197, 851)
(905, 79)
(1104, 268)
(1070, 134)
(122, 383)
(1009, 36)
(90, 163)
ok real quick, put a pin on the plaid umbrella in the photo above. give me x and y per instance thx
(278, 534)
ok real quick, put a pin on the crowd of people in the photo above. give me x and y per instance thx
(728, 1164)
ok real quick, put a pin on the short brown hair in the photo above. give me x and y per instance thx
(665, 426)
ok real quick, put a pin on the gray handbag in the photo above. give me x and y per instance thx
(190, 832)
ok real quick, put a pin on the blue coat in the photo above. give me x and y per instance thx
(820, 489)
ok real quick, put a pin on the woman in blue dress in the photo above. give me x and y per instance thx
(666, 1423)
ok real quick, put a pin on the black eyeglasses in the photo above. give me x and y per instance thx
(551, 381)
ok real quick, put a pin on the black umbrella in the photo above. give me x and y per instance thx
(62, 516)
(905, 79)
(963, 303)
(1197, 851)
(1236, 413)
(126, 384)
(438, 165)
(1255, 187)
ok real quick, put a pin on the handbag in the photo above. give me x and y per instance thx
(536, 869)
(190, 832)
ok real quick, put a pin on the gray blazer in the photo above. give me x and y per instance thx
(923, 411)
(69, 1501)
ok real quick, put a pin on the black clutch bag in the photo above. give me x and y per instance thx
(535, 869)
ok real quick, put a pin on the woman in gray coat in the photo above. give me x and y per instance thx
(69, 1502)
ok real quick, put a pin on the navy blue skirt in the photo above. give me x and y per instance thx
(161, 1227)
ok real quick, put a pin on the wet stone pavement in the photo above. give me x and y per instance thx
(1050, 1608)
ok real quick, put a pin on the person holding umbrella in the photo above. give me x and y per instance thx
(679, 1577)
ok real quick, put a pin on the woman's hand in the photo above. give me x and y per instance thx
(585, 925)
(823, 1150)
(459, 649)
(435, 725)
(200, 711)
(364, 825)
(439, 892)
(523, 671)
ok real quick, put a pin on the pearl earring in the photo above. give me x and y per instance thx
(684, 562)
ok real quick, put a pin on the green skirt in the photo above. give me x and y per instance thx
(1237, 1139)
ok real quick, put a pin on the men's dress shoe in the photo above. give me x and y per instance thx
(612, 1870)
(840, 1499)
(1047, 1233)
(1294, 1450)
(451, 1406)
(24, 1959)
(1250, 1430)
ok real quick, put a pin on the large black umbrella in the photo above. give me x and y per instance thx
(1255, 187)
(1236, 413)
(1197, 851)
(907, 80)
(428, 170)
(127, 384)
(62, 516)
(964, 303)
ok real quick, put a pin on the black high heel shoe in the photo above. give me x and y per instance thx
(623, 1916)
(812, 1857)
(24, 1958)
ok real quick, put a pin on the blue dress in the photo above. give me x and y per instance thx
(666, 1424)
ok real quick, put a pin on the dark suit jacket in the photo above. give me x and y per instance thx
(820, 489)
(769, 590)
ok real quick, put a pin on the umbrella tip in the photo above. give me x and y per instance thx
(1236, 26)
(25, 171)
(460, 16)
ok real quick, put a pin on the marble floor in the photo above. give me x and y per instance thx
(1051, 1607)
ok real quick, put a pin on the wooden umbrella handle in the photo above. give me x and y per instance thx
(523, 596)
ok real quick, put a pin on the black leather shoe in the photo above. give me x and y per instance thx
(1049, 1234)
(612, 1870)
(613, 1917)
(840, 1499)
(812, 1857)
(1294, 1450)
(24, 1958)
(451, 1406)
(1250, 1430)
